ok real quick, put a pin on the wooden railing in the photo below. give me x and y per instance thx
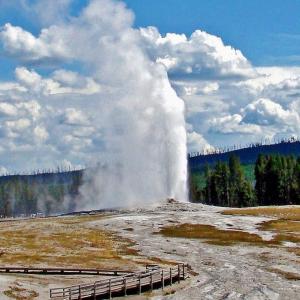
(64, 271)
(134, 283)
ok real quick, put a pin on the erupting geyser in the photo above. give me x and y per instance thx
(142, 136)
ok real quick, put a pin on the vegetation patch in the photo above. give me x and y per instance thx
(287, 275)
(286, 228)
(295, 250)
(213, 235)
(160, 261)
(19, 293)
(291, 213)
(68, 242)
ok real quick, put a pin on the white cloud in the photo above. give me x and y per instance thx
(49, 12)
(21, 44)
(201, 56)
(233, 124)
(67, 165)
(40, 133)
(197, 143)
(11, 86)
(18, 125)
(66, 77)
(3, 170)
(227, 99)
(266, 112)
(75, 117)
(8, 109)
(62, 82)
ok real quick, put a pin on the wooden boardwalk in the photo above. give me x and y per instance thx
(133, 283)
(64, 271)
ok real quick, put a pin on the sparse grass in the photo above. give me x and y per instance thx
(291, 213)
(265, 256)
(68, 242)
(286, 230)
(282, 225)
(19, 293)
(286, 227)
(159, 261)
(213, 235)
(287, 275)
(295, 250)
(82, 219)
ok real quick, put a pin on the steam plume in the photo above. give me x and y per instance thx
(143, 156)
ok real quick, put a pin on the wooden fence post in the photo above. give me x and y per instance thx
(151, 282)
(125, 287)
(162, 280)
(70, 293)
(183, 271)
(171, 276)
(109, 288)
(95, 291)
(178, 273)
(140, 285)
(79, 290)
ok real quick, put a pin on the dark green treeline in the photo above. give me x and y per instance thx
(277, 182)
(48, 193)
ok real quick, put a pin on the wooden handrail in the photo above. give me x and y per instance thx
(134, 281)
(66, 271)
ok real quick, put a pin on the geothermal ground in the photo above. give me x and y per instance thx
(236, 254)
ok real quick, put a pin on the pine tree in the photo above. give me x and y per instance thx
(220, 185)
(208, 188)
(260, 184)
(295, 189)
(236, 179)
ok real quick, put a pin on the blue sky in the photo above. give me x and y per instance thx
(267, 32)
(235, 64)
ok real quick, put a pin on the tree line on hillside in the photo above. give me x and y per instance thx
(277, 182)
(267, 142)
(28, 195)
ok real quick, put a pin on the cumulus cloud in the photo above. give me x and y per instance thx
(267, 112)
(18, 125)
(61, 82)
(196, 143)
(72, 116)
(200, 56)
(7, 109)
(3, 170)
(48, 47)
(226, 97)
(40, 133)
(47, 11)
(233, 124)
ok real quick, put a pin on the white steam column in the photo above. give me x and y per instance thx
(143, 156)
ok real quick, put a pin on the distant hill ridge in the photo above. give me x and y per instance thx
(247, 155)
(64, 177)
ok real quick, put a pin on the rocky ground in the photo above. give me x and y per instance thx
(233, 271)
